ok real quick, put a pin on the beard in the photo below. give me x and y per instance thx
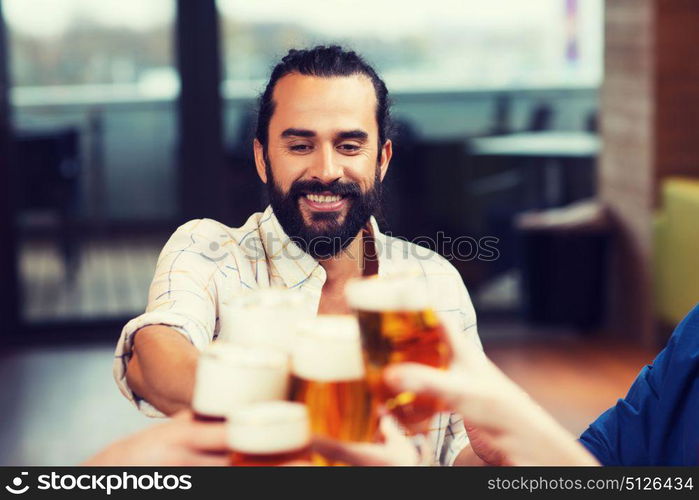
(327, 234)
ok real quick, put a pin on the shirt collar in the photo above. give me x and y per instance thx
(296, 267)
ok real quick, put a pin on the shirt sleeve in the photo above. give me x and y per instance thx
(182, 295)
(609, 437)
(645, 427)
(455, 437)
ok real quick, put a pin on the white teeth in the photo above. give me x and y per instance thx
(316, 198)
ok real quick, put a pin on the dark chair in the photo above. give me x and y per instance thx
(592, 122)
(541, 118)
(501, 120)
(247, 192)
(48, 170)
(401, 183)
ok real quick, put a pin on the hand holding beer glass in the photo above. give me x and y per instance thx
(328, 376)
(398, 325)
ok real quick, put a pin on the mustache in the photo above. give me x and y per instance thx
(300, 188)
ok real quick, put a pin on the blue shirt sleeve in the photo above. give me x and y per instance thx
(656, 423)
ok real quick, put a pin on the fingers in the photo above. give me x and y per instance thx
(390, 431)
(421, 379)
(484, 401)
(351, 453)
(362, 454)
(399, 448)
(205, 436)
(205, 459)
(455, 337)
(201, 436)
(395, 449)
(464, 349)
(298, 463)
(184, 414)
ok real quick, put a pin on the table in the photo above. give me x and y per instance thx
(549, 153)
(538, 144)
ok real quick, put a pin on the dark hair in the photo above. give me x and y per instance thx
(324, 61)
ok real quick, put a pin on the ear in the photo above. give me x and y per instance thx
(260, 164)
(386, 154)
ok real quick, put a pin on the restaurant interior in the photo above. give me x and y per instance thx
(562, 133)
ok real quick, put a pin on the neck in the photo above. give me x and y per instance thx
(347, 264)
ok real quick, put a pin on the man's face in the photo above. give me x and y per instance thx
(322, 165)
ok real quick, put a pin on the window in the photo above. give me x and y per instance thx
(104, 68)
(95, 122)
(442, 44)
(120, 48)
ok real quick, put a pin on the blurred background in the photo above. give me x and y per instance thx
(562, 130)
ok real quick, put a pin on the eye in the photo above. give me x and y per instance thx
(300, 148)
(348, 148)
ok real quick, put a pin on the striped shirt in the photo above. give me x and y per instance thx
(205, 262)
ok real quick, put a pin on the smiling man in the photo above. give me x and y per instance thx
(322, 149)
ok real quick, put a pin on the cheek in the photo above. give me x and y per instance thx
(286, 169)
(362, 172)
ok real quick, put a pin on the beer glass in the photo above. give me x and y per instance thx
(328, 376)
(264, 317)
(398, 325)
(269, 433)
(230, 375)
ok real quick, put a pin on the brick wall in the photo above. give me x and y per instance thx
(650, 129)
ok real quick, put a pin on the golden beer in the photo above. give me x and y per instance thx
(269, 434)
(230, 375)
(328, 376)
(341, 410)
(398, 325)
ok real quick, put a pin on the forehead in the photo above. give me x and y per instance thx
(318, 103)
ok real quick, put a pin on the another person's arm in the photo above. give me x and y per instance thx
(179, 441)
(656, 423)
(509, 425)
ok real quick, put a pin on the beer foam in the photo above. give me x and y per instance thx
(229, 375)
(328, 349)
(388, 293)
(269, 427)
(264, 317)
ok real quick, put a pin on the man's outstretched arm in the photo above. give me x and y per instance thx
(162, 368)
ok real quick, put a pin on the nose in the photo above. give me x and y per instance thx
(325, 167)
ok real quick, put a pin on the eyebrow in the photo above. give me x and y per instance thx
(298, 132)
(353, 134)
(358, 134)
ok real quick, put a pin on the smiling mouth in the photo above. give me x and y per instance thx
(324, 202)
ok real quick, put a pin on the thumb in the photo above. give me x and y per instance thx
(184, 415)
(425, 380)
(389, 430)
